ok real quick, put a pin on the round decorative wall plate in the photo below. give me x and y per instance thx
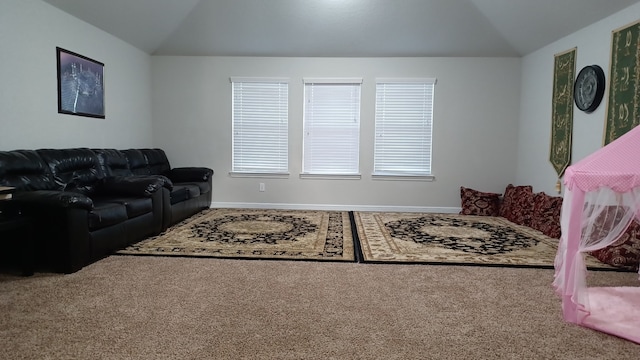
(589, 88)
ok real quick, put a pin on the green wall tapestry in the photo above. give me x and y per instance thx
(562, 111)
(624, 82)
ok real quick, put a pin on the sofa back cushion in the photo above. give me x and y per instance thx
(25, 170)
(137, 162)
(76, 170)
(157, 161)
(113, 162)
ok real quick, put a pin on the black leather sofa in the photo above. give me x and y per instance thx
(88, 203)
(186, 190)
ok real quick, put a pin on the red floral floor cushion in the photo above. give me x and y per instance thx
(625, 252)
(517, 205)
(546, 214)
(479, 203)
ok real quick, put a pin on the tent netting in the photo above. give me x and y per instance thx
(601, 199)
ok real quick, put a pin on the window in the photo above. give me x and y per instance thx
(331, 127)
(260, 125)
(403, 128)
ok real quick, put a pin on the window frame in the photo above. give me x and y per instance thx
(427, 114)
(356, 109)
(280, 115)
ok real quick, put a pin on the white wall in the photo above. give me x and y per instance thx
(30, 30)
(594, 47)
(475, 126)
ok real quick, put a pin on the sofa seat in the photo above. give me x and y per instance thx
(106, 214)
(204, 187)
(178, 194)
(192, 189)
(134, 206)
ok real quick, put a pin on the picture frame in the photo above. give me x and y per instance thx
(80, 85)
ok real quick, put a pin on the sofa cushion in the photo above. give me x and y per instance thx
(114, 162)
(179, 194)
(156, 161)
(546, 214)
(517, 205)
(25, 170)
(202, 187)
(182, 192)
(194, 190)
(137, 162)
(76, 170)
(106, 214)
(625, 252)
(135, 206)
(476, 202)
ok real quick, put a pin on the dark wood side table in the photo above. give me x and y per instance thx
(17, 227)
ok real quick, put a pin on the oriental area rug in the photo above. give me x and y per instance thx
(431, 238)
(255, 234)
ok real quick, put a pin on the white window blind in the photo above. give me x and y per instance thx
(403, 127)
(331, 126)
(260, 125)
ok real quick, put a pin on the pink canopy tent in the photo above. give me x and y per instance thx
(601, 198)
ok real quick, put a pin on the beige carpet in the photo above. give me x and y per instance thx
(143, 307)
(252, 233)
(455, 239)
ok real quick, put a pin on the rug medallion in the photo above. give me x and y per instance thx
(252, 233)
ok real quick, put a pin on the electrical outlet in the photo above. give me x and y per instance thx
(261, 186)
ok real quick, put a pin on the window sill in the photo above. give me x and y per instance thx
(426, 178)
(331, 176)
(259, 175)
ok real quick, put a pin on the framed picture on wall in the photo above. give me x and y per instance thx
(80, 85)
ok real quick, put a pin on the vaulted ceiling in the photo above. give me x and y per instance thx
(341, 28)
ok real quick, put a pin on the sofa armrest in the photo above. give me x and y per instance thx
(131, 185)
(60, 226)
(189, 174)
(64, 199)
(166, 182)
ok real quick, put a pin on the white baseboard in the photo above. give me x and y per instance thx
(373, 208)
